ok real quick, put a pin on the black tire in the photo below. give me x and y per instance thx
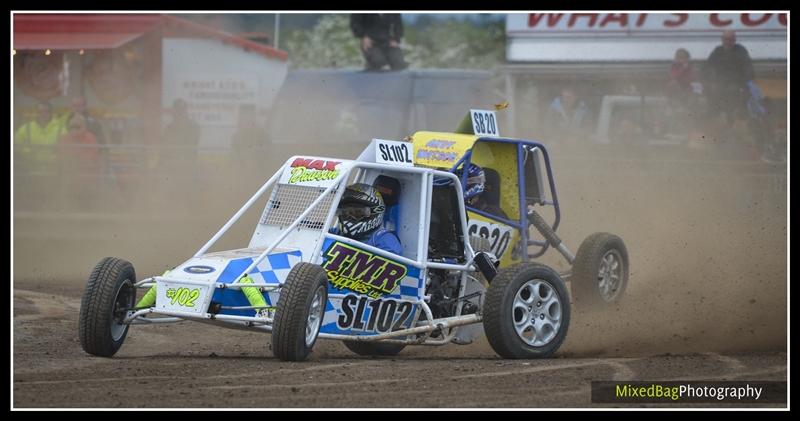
(108, 294)
(292, 312)
(500, 314)
(374, 348)
(586, 278)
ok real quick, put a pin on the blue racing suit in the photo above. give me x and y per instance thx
(384, 240)
(381, 238)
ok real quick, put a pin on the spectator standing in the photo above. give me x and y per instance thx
(82, 169)
(78, 106)
(728, 70)
(681, 77)
(35, 140)
(181, 136)
(567, 117)
(79, 145)
(681, 87)
(380, 35)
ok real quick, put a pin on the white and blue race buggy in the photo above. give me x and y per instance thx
(300, 281)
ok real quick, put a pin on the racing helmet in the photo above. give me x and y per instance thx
(476, 181)
(360, 210)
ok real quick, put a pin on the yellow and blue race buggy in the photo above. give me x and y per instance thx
(460, 268)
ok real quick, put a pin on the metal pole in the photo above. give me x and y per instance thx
(511, 119)
(277, 29)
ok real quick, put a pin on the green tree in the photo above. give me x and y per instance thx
(452, 43)
(329, 44)
(456, 44)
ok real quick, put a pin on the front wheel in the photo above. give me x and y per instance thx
(108, 296)
(527, 311)
(299, 312)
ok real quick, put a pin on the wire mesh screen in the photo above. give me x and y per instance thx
(288, 202)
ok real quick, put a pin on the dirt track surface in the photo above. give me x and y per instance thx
(191, 365)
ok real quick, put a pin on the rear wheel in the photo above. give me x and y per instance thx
(374, 348)
(526, 312)
(108, 296)
(600, 271)
(299, 313)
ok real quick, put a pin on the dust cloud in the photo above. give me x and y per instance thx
(156, 223)
(708, 246)
(707, 238)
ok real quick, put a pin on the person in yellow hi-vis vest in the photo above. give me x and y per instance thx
(35, 141)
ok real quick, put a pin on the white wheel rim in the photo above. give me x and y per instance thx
(315, 316)
(609, 276)
(536, 312)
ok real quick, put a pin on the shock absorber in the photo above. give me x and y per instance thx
(548, 233)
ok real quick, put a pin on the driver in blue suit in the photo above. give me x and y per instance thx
(360, 213)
